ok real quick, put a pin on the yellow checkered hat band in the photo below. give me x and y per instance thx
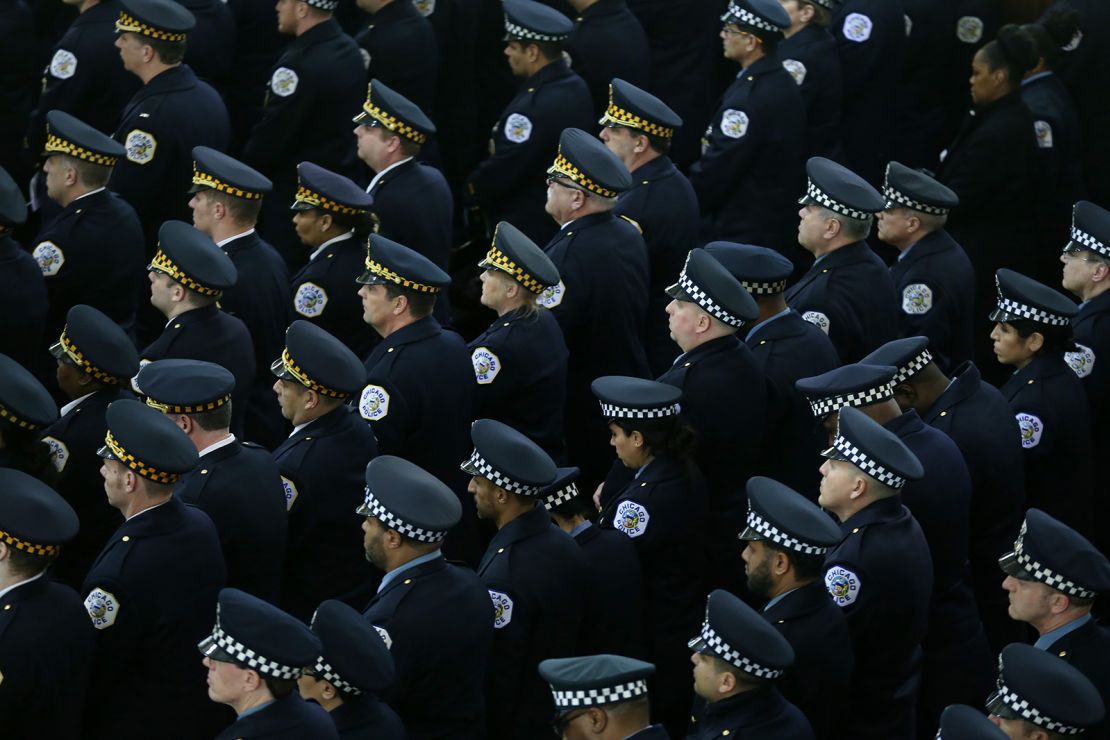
(130, 24)
(209, 181)
(565, 167)
(57, 145)
(392, 123)
(305, 379)
(615, 114)
(84, 362)
(501, 261)
(386, 274)
(304, 195)
(28, 547)
(137, 465)
(169, 408)
(21, 423)
(163, 263)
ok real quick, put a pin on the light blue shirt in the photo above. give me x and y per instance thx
(640, 470)
(778, 598)
(1037, 76)
(580, 528)
(254, 710)
(905, 253)
(766, 321)
(393, 574)
(1044, 642)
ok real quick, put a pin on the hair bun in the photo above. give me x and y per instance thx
(1018, 48)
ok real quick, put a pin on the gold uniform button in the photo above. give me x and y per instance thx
(407, 581)
(178, 326)
(856, 530)
(7, 606)
(825, 270)
(642, 485)
(944, 413)
(505, 324)
(204, 472)
(688, 364)
(1063, 653)
(389, 350)
(1032, 381)
(726, 733)
(500, 550)
(126, 538)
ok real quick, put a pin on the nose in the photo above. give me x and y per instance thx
(277, 387)
(824, 469)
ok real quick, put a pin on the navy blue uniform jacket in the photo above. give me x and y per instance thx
(325, 292)
(608, 41)
(414, 204)
(811, 58)
(399, 46)
(290, 718)
(23, 303)
(367, 718)
(760, 713)
(615, 625)
(1091, 362)
(1086, 648)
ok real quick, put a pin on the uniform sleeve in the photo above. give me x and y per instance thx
(730, 146)
(66, 84)
(518, 154)
(860, 48)
(141, 177)
(515, 621)
(289, 104)
(568, 302)
(391, 413)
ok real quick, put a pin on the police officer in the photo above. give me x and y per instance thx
(46, 641)
(978, 419)
(435, 616)
(933, 276)
(151, 592)
(23, 302)
(520, 361)
(879, 574)
(1031, 333)
(321, 466)
(227, 198)
(212, 42)
(751, 161)
(399, 47)
(170, 114)
(78, 264)
(550, 99)
(1053, 576)
(331, 217)
(1040, 692)
(237, 485)
(255, 655)
(961, 722)
(737, 658)
(601, 299)
(95, 364)
(535, 574)
(639, 128)
(352, 672)
(617, 614)
(786, 348)
(847, 292)
(809, 54)
(785, 544)
(313, 86)
(605, 695)
(188, 274)
(607, 41)
(26, 408)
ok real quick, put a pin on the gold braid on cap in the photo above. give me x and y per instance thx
(137, 465)
(169, 408)
(565, 167)
(28, 547)
(304, 195)
(21, 423)
(502, 262)
(57, 145)
(391, 122)
(163, 263)
(200, 177)
(615, 114)
(84, 362)
(305, 379)
(386, 274)
(129, 24)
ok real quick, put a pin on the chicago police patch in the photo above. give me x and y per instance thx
(1043, 130)
(103, 608)
(969, 29)
(1031, 429)
(553, 296)
(426, 7)
(140, 146)
(796, 69)
(50, 258)
(384, 634)
(818, 319)
(842, 585)
(284, 82)
(374, 403)
(631, 518)
(857, 27)
(518, 129)
(63, 65)
(59, 453)
(734, 123)
(1082, 361)
(310, 300)
(486, 365)
(502, 608)
(290, 489)
(365, 57)
(1073, 43)
(917, 298)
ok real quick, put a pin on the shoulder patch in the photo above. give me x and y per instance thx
(518, 129)
(63, 65)
(59, 453)
(969, 29)
(140, 146)
(917, 298)
(1082, 361)
(909, 25)
(635, 223)
(857, 27)
(818, 319)
(384, 634)
(502, 608)
(1031, 429)
(310, 300)
(103, 608)
(284, 82)
(50, 258)
(486, 365)
(291, 493)
(374, 403)
(842, 584)
(1073, 43)
(553, 296)
(426, 7)
(1044, 134)
(796, 69)
(631, 518)
(734, 123)
(365, 57)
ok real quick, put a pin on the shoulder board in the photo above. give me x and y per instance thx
(634, 223)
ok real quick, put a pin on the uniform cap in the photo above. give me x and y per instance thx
(390, 262)
(1049, 551)
(97, 345)
(624, 397)
(162, 20)
(738, 635)
(319, 361)
(908, 356)
(908, 188)
(850, 385)
(842, 191)
(328, 191)
(874, 450)
(527, 20)
(217, 171)
(147, 442)
(185, 386)
(1039, 687)
(259, 636)
(961, 722)
(563, 489)
(512, 252)
(389, 109)
(783, 516)
(68, 135)
(24, 401)
(33, 517)
(766, 15)
(13, 204)
(406, 498)
(631, 107)
(354, 657)
(193, 259)
(761, 271)
(589, 164)
(705, 282)
(1090, 229)
(508, 459)
(1020, 297)
(595, 680)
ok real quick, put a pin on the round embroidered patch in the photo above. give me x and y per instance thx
(426, 7)
(917, 298)
(374, 403)
(291, 493)
(365, 57)
(1043, 130)
(1031, 429)
(140, 146)
(734, 123)
(796, 69)
(842, 584)
(553, 296)
(1082, 361)
(818, 319)
(857, 27)
(103, 608)
(284, 82)
(384, 634)
(50, 258)
(59, 453)
(502, 608)
(1073, 43)
(631, 518)
(969, 29)
(310, 300)
(486, 365)
(909, 25)
(63, 65)
(518, 129)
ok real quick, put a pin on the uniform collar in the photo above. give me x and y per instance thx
(334, 240)
(877, 512)
(965, 382)
(72, 405)
(224, 242)
(5, 591)
(766, 321)
(1045, 641)
(392, 575)
(229, 439)
(319, 33)
(387, 170)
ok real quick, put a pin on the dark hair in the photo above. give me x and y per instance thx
(279, 687)
(240, 209)
(420, 304)
(770, 39)
(580, 505)
(361, 223)
(821, 15)
(668, 436)
(29, 455)
(1053, 32)
(807, 567)
(90, 174)
(550, 50)
(169, 52)
(1056, 338)
(657, 143)
(217, 418)
(1012, 50)
(26, 564)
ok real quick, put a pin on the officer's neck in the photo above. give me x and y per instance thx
(786, 583)
(1092, 289)
(830, 246)
(531, 69)
(647, 156)
(394, 324)
(74, 193)
(770, 305)
(252, 699)
(304, 25)
(514, 508)
(152, 69)
(1056, 621)
(882, 413)
(86, 4)
(226, 228)
(580, 6)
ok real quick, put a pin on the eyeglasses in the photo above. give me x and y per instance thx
(729, 30)
(1073, 252)
(553, 180)
(561, 724)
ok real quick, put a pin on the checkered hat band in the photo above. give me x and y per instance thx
(200, 408)
(317, 200)
(324, 4)
(763, 288)
(567, 493)
(520, 32)
(84, 362)
(389, 519)
(597, 697)
(1028, 312)
(130, 24)
(1048, 576)
(135, 464)
(860, 459)
(743, 17)
(502, 262)
(725, 652)
(163, 263)
(565, 167)
(323, 670)
(29, 547)
(201, 177)
(834, 205)
(305, 379)
(822, 407)
(498, 478)
(21, 423)
(913, 367)
(1089, 241)
(776, 535)
(392, 123)
(615, 114)
(386, 274)
(1031, 713)
(709, 305)
(896, 198)
(57, 145)
(245, 656)
(611, 411)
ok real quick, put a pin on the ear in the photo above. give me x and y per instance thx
(913, 223)
(832, 228)
(184, 423)
(130, 481)
(325, 222)
(906, 395)
(178, 292)
(402, 303)
(780, 564)
(599, 720)
(219, 210)
(1034, 342)
(636, 438)
(311, 399)
(726, 682)
(327, 690)
(641, 145)
(859, 488)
